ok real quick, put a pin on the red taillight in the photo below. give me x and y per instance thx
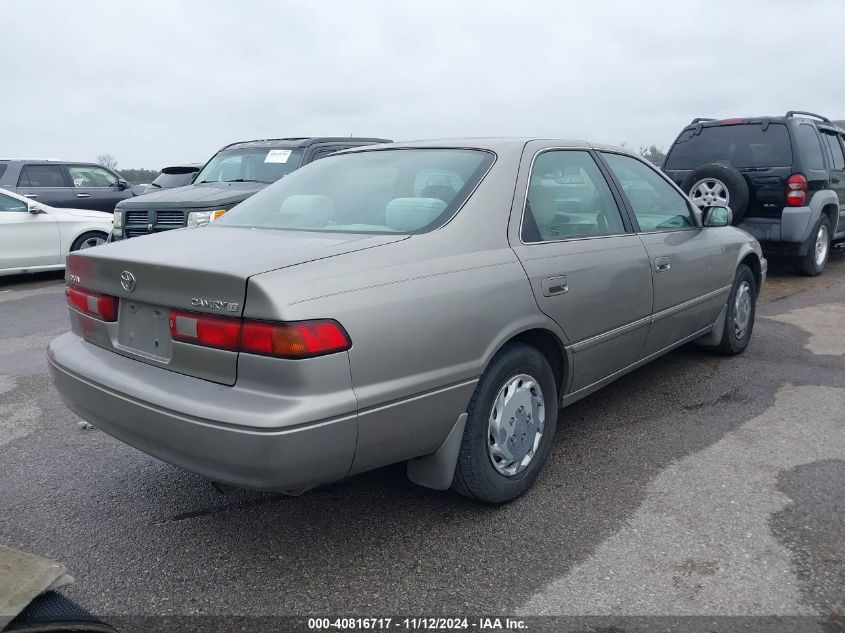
(732, 121)
(301, 339)
(796, 190)
(99, 306)
(200, 329)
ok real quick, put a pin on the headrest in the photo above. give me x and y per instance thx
(411, 214)
(311, 210)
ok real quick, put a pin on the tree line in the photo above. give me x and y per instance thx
(134, 176)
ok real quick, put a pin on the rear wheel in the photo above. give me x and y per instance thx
(814, 261)
(88, 240)
(739, 317)
(511, 420)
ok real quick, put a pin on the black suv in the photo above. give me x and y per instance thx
(783, 177)
(231, 176)
(65, 184)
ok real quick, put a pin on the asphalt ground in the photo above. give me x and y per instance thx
(696, 486)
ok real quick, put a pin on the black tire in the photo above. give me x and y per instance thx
(808, 264)
(733, 180)
(80, 241)
(475, 475)
(731, 343)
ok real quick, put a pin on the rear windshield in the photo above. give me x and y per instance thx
(380, 191)
(745, 145)
(168, 181)
(250, 165)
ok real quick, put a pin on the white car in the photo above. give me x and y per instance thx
(36, 237)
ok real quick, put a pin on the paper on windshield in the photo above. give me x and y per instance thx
(277, 156)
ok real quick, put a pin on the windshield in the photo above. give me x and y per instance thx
(379, 191)
(250, 165)
(743, 146)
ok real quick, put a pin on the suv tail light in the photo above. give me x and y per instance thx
(796, 190)
(299, 339)
(94, 304)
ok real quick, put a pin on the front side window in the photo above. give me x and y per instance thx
(373, 191)
(250, 165)
(568, 197)
(8, 203)
(42, 176)
(657, 205)
(91, 176)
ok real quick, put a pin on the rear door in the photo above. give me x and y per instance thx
(26, 239)
(47, 183)
(587, 269)
(691, 275)
(833, 142)
(96, 188)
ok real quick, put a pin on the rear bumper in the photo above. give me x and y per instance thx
(793, 226)
(261, 457)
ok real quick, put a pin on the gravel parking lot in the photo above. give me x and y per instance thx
(697, 485)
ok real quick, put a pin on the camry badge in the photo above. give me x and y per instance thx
(127, 280)
(213, 304)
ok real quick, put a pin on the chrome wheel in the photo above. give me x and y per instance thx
(821, 246)
(710, 192)
(516, 425)
(94, 240)
(742, 309)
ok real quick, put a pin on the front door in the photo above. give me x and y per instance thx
(691, 275)
(96, 188)
(27, 239)
(587, 269)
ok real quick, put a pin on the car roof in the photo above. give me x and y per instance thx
(302, 141)
(50, 160)
(496, 143)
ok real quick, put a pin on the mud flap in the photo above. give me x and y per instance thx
(437, 470)
(714, 337)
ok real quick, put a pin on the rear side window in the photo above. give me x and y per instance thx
(742, 146)
(2, 169)
(811, 149)
(42, 176)
(835, 147)
(568, 197)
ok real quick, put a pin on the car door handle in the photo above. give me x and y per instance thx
(555, 286)
(83, 195)
(662, 264)
(30, 195)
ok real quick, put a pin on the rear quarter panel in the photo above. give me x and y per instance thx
(424, 322)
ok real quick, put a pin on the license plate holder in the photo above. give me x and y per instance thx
(143, 329)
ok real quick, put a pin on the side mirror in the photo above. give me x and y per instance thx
(34, 209)
(122, 184)
(718, 216)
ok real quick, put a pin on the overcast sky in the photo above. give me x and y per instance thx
(154, 82)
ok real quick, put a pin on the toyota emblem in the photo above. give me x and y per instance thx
(127, 280)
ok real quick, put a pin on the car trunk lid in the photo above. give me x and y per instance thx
(206, 272)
